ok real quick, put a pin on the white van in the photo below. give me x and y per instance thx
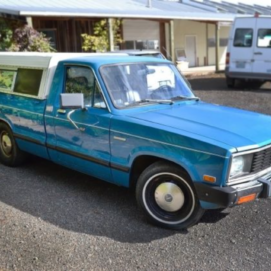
(249, 51)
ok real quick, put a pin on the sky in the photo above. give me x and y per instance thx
(249, 2)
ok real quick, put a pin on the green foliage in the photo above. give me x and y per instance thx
(6, 32)
(6, 79)
(17, 37)
(99, 42)
(27, 39)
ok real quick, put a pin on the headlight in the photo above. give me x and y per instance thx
(240, 165)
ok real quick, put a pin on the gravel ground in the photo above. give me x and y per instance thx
(213, 89)
(52, 218)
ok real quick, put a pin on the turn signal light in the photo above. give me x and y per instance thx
(209, 179)
(247, 198)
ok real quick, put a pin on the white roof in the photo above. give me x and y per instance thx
(39, 60)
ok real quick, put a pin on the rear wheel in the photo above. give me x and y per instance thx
(10, 154)
(255, 84)
(167, 196)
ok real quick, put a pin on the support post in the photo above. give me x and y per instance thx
(217, 27)
(74, 36)
(29, 21)
(171, 40)
(110, 34)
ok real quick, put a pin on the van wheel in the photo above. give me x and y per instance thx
(10, 154)
(230, 82)
(167, 196)
(256, 84)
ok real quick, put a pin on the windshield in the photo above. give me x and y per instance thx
(137, 83)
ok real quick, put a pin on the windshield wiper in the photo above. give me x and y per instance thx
(151, 101)
(156, 101)
(185, 98)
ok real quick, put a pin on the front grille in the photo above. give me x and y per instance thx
(261, 160)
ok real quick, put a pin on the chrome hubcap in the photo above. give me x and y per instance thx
(169, 197)
(6, 145)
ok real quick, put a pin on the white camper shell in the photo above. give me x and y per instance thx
(249, 50)
(45, 62)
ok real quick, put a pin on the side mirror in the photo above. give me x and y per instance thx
(72, 100)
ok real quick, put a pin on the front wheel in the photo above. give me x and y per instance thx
(167, 196)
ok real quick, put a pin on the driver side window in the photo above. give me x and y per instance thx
(82, 80)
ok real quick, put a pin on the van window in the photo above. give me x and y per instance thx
(7, 79)
(243, 37)
(28, 81)
(264, 38)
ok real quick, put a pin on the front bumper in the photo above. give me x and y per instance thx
(229, 196)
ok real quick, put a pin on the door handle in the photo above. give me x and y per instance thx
(258, 53)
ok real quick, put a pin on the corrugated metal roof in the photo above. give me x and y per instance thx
(237, 7)
(111, 8)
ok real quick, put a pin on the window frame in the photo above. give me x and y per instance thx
(96, 84)
(9, 90)
(40, 93)
(262, 47)
(252, 36)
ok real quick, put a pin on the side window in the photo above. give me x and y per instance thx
(243, 37)
(80, 80)
(7, 79)
(264, 38)
(28, 81)
(98, 98)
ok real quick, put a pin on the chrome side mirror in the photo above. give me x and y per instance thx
(72, 100)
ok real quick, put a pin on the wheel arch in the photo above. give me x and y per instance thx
(140, 163)
(7, 123)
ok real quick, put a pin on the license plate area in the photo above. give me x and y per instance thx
(240, 64)
(266, 192)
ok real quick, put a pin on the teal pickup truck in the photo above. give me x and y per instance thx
(135, 122)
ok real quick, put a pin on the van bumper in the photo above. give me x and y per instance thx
(230, 196)
(248, 75)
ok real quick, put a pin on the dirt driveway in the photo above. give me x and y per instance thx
(212, 88)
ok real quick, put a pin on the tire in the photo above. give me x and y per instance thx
(230, 82)
(167, 197)
(10, 154)
(256, 84)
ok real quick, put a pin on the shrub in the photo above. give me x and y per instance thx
(99, 41)
(27, 39)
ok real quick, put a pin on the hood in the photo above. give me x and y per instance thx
(237, 128)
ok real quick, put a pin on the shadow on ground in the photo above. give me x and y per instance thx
(217, 82)
(78, 203)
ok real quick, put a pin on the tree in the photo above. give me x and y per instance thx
(6, 32)
(99, 41)
(27, 39)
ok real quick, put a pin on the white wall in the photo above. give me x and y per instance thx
(183, 28)
(202, 31)
(224, 32)
(141, 30)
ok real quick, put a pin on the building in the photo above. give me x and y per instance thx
(182, 30)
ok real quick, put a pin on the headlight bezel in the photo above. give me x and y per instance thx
(252, 175)
(245, 162)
